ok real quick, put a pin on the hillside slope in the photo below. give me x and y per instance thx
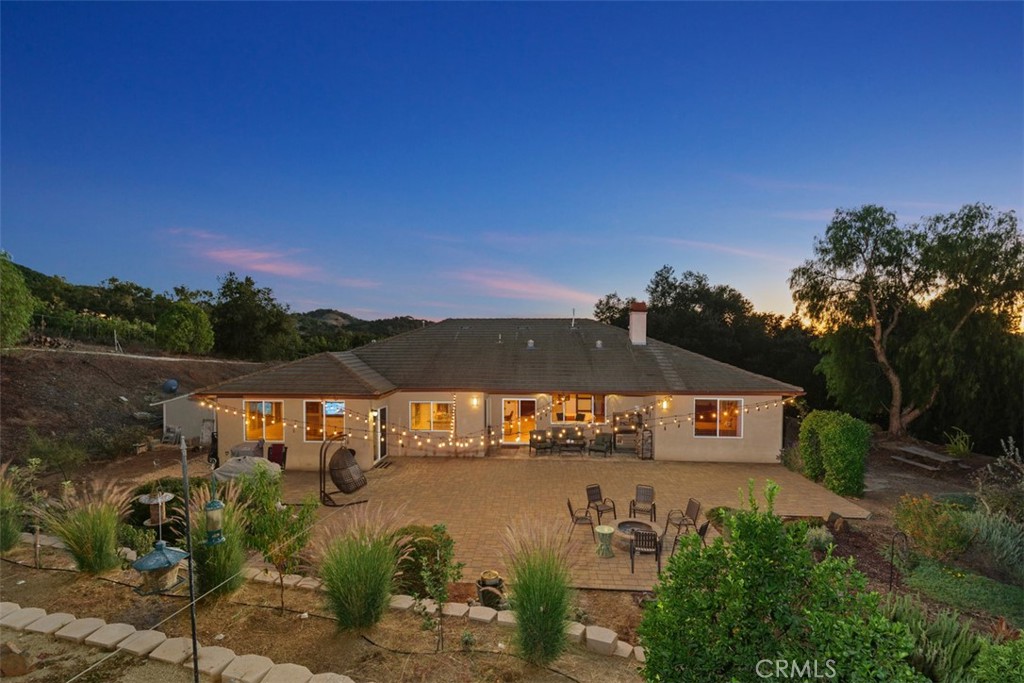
(70, 392)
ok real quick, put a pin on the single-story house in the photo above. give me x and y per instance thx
(195, 422)
(469, 387)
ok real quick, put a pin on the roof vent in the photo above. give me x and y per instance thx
(599, 344)
(499, 338)
(529, 343)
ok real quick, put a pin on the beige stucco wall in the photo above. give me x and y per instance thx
(761, 431)
(673, 435)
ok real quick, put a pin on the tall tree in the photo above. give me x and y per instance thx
(249, 323)
(909, 290)
(16, 302)
(184, 328)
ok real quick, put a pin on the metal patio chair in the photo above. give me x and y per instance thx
(643, 502)
(599, 503)
(580, 516)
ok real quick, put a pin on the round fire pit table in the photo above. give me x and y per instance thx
(604, 540)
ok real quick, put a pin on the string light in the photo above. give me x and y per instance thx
(355, 420)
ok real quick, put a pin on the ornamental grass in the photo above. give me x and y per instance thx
(219, 567)
(538, 558)
(86, 519)
(358, 557)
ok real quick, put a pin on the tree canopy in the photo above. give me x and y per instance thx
(15, 303)
(908, 293)
(249, 323)
(185, 328)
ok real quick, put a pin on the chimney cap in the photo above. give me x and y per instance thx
(638, 306)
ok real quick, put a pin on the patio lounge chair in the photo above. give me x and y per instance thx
(601, 443)
(644, 542)
(643, 503)
(580, 516)
(599, 503)
(540, 441)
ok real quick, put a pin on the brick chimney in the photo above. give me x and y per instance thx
(638, 323)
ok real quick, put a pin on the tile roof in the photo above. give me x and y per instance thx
(496, 355)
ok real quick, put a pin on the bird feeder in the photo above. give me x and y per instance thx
(159, 568)
(157, 503)
(214, 510)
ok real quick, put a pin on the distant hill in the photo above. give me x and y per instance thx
(330, 323)
(321, 330)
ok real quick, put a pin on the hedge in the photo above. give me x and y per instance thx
(834, 446)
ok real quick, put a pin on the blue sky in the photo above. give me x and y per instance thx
(470, 160)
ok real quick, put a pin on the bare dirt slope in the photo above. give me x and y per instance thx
(71, 391)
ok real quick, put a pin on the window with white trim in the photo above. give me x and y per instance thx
(431, 416)
(718, 417)
(585, 408)
(324, 419)
(264, 420)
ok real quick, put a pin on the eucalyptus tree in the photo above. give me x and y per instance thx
(907, 292)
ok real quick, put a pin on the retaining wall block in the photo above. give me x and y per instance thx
(213, 659)
(246, 669)
(455, 609)
(80, 629)
(574, 632)
(141, 643)
(20, 618)
(330, 678)
(110, 635)
(8, 607)
(51, 623)
(173, 651)
(601, 640)
(287, 673)
(482, 614)
(402, 602)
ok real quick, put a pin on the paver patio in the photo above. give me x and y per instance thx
(476, 498)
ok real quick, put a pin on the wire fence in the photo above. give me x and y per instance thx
(92, 329)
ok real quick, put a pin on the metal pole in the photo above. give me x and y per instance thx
(188, 540)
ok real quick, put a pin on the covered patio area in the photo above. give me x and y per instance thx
(477, 498)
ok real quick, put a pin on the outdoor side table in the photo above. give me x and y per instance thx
(604, 540)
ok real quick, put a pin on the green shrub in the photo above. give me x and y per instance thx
(11, 508)
(1000, 485)
(87, 521)
(139, 539)
(218, 567)
(810, 444)
(834, 447)
(541, 596)
(722, 609)
(819, 538)
(944, 648)
(358, 564)
(790, 458)
(934, 527)
(61, 453)
(844, 450)
(958, 443)
(1000, 663)
(113, 444)
(968, 591)
(997, 537)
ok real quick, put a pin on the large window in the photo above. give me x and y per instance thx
(263, 420)
(577, 408)
(431, 416)
(324, 419)
(718, 417)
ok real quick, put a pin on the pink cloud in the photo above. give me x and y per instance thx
(512, 285)
(286, 263)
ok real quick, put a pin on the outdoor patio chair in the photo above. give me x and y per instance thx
(580, 516)
(643, 503)
(682, 520)
(540, 441)
(599, 503)
(644, 542)
(601, 443)
(278, 453)
(702, 532)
